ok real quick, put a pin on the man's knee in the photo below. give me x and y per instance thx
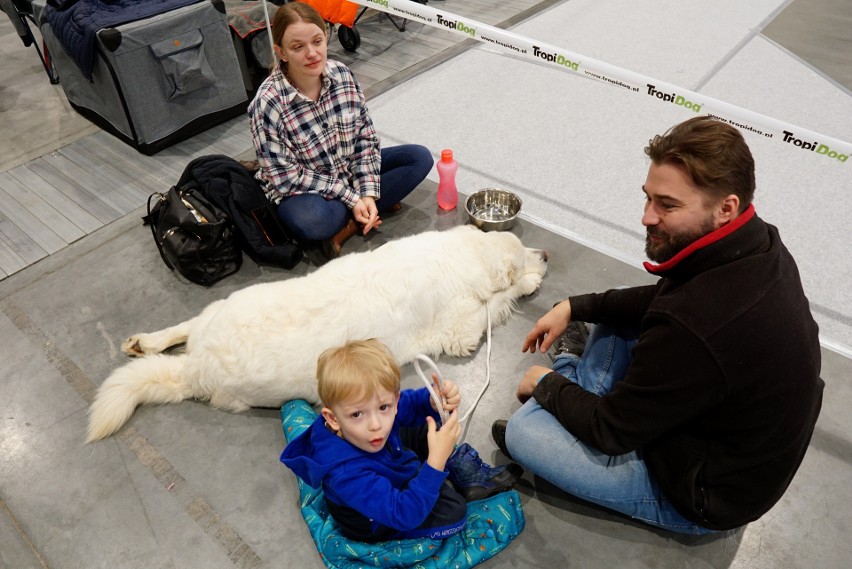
(520, 432)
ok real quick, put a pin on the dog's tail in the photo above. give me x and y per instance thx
(155, 378)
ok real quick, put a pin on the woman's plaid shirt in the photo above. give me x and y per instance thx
(328, 146)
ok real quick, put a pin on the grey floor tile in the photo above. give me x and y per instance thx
(189, 486)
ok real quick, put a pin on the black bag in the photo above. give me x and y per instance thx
(195, 238)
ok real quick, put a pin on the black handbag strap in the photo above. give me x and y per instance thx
(152, 221)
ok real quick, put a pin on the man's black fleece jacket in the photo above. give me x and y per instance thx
(723, 391)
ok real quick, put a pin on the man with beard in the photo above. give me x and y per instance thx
(691, 403)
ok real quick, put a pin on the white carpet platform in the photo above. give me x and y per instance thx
(571, 147)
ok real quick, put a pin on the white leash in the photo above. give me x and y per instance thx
(436, 397)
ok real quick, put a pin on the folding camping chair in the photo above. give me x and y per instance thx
(344, 15)
(19, 11)
(350, 39)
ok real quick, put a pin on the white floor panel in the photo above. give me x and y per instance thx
(572, 147)
(766, 78)
(804, 194)
(678, 42)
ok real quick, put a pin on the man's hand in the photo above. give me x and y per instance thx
(530, 380)
(366, 213)
(548, 328)
(442, 442)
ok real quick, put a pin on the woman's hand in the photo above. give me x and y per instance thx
(449, 393)
(366, 213)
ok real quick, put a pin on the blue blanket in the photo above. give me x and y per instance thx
(75, 22)
(491, 524)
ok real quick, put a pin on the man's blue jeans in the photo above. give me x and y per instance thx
(314, 218)
(537, 441)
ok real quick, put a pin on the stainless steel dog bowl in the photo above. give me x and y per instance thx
(493, 209)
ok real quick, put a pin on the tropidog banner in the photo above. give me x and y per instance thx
(817, 145)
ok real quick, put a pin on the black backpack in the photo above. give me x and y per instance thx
(233, 188)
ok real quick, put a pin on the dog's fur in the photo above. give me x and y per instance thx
(259, 347)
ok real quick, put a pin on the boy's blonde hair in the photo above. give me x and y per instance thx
(355, 371)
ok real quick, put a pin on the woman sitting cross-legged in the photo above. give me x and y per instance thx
(317, 149)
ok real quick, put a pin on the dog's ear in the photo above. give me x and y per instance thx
(504, 271)
(509, 260)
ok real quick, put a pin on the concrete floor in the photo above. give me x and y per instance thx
(186, 486)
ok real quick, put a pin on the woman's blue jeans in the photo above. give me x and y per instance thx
(314, 218)
(537, 441)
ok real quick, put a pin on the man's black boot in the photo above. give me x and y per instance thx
(498, 433)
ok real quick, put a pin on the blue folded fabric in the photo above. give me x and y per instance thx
(61, 4)
(75, 23)
(491, 524)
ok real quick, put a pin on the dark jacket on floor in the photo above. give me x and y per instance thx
(723, 391)
(228, 184)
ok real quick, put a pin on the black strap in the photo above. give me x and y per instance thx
(152, 221)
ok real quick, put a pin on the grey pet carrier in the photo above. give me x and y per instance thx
(157, 80)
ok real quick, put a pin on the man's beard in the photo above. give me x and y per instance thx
(673, 244)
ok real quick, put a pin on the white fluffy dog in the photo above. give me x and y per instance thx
(426, 293)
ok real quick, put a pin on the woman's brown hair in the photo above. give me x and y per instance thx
(293, 12)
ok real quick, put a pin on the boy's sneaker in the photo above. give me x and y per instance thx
(474, 479)
(572, 341)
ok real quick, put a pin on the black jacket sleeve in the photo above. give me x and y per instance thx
(616, 307)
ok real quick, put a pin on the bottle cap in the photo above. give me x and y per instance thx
(446, 155)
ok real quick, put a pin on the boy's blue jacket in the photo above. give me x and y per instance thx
(391, 487)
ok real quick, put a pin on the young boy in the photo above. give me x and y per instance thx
(387, 470)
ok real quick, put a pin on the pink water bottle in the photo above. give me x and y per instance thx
(448, 194)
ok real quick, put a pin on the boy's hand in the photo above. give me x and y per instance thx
(449, 393)
(442, 442)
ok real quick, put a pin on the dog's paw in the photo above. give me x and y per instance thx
(459, 348)
(132, 347)
(528, 284)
